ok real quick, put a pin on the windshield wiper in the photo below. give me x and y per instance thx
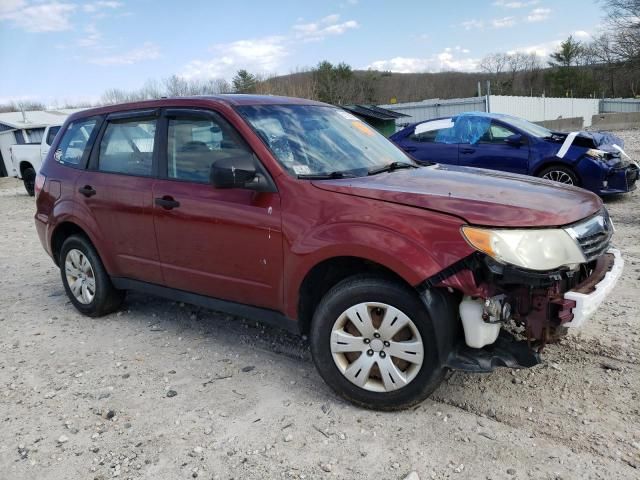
(326, 176)
(390, 167)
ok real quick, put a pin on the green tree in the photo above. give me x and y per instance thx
(333, 83)
(244, 82)
(565, 76)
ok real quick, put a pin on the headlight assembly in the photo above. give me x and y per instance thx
(535, 249)
(597, 154)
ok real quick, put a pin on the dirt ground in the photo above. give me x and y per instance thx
(85, 398)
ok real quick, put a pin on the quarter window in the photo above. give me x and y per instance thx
(74, 142)
(127, 147)
(194, 144)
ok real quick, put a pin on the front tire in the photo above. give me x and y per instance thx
(560, 174)
(373, 342)
(85, 280)
(29, 179)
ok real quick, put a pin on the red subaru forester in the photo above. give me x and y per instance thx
(297, 213)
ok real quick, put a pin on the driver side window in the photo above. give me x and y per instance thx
(499, 133)
(194, 143)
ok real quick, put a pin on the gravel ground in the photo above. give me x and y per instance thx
(162, 390)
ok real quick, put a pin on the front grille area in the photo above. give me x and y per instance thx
(593, 235)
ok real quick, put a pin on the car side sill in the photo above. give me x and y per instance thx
(262, 315)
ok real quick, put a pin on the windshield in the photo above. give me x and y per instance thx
(528, 127)
(318, 140)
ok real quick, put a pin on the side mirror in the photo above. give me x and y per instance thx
(238, 172)
(514, 140)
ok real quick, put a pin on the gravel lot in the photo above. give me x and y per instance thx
(88, 398)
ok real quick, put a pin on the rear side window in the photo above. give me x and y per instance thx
(53, 131)
(127, 147)
(437, 131)
(74, 142)
(194, 144)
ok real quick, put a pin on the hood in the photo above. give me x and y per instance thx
(600, 140)
(478, 196)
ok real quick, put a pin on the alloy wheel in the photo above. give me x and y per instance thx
(377, 347)
(558, 176)
(80, 276)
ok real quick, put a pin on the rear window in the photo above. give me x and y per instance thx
(74, 142)
(127, 147)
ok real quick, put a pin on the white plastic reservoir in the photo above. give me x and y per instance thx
(477, 332)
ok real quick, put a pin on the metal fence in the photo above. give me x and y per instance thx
(619, 105)
(428, 109)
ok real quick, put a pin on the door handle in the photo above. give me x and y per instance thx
(410, 149)
(467, 150)
(167, 202)
(87, 191)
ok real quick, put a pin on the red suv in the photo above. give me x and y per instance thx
(297, 213)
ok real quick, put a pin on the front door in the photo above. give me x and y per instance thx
(117, 191)
(223, 243)
(485, 147)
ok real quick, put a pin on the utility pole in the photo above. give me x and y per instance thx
(488, 99)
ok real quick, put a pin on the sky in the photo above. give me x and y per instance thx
(73, 50)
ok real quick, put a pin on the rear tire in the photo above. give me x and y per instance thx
(29, 179)
(365, 361)
(560, 174)
(85, 280)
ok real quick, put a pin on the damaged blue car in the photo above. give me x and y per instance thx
(595, 161)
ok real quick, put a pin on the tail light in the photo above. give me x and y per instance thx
(40, 179)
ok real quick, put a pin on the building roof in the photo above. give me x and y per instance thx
(36, 118)
(371, 111)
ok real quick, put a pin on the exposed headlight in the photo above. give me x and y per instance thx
(544, 249)
(595, 153)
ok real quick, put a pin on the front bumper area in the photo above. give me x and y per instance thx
(589, 295)
(620, 180)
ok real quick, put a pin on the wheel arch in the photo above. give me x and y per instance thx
(557, 163)
(63, 231)
(24, 164)
(327, 273)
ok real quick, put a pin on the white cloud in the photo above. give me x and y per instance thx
(541, 49)
(514, 4)
(582, 35)
(503, 22)
(148, 51)
(40, 17)
(263, 55)
(100, 5)
(538, 14)
(448, 59)
(92, 38)
(472, 24)
(327, 26)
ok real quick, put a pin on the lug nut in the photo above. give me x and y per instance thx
(370, 352)
(382, 354)
(386, 344)
(376, 334)
(366, 340)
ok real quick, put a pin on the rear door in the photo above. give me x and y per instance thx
(223, 243)
(484, 146)
(432, 141)
(116, 190)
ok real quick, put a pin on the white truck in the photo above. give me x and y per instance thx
(27, 158)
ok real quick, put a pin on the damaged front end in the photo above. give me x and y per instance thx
(537, 304)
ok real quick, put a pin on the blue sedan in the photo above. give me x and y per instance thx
(592, 160)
